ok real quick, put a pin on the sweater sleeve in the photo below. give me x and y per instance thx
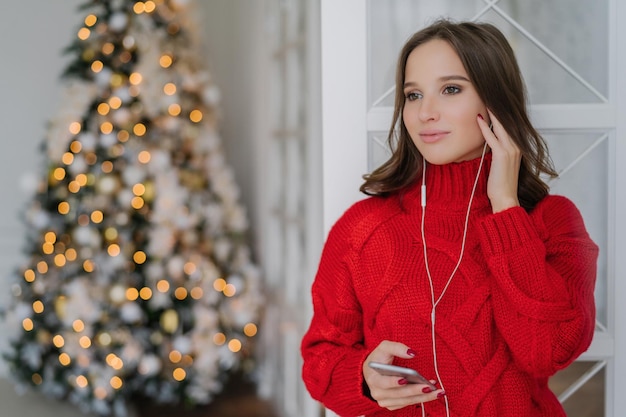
(544, 271)
(332, 348)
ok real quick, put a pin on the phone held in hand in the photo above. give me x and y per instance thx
(411, 375)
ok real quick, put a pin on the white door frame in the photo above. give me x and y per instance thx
(344, 123)
(618, 14)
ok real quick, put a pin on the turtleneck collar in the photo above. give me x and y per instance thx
(451, 185)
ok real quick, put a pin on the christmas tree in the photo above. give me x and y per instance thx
(138, 281)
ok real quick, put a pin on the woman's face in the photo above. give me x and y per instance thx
(441, 105)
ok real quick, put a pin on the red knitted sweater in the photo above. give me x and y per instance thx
(520, 307)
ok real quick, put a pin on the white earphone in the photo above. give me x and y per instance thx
(430, 280)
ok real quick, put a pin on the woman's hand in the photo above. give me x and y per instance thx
(392, 392)
(505, 165)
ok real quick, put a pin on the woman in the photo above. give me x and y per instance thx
(460, 264)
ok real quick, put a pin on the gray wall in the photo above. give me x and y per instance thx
(236, 51)
(32, 36)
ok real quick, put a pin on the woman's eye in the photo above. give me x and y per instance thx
(451, 89)
(413, 96)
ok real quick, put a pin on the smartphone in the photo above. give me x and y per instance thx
(409, 374)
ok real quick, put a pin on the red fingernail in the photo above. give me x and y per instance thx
(411, 352)
(402, 381)
(441, 394)
(426, 390)
(480, 116)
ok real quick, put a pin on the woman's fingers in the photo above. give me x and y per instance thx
(394, 392)
(387, 350)
(502, 186)
(486, 131)
(399, 397)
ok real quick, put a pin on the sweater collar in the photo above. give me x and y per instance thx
(451, 185)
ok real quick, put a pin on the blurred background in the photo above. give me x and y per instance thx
(301, 105)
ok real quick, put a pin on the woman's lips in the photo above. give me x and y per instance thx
(432, 136)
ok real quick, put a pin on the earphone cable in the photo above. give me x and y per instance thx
(430, 280)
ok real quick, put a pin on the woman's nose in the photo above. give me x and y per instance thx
(429, 109)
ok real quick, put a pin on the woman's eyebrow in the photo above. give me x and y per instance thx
(454, 78)
(445, 78)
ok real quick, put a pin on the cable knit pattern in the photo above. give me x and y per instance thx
(520, 307)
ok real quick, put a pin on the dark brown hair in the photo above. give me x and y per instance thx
(493, 70)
